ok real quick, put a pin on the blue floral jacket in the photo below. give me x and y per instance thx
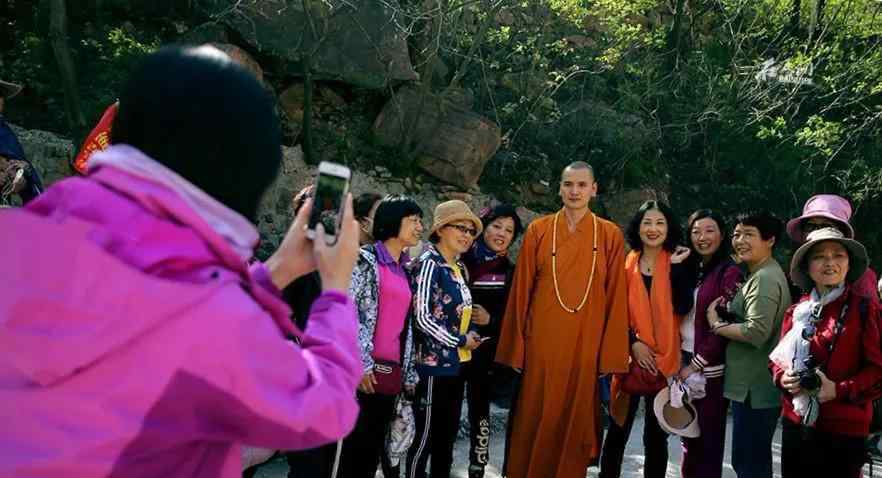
(439, 302)
(364, 290)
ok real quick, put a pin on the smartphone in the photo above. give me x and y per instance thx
(331, 187)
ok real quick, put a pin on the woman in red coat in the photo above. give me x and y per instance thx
(828, 362)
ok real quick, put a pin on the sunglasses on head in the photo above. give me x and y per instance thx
(464, 229)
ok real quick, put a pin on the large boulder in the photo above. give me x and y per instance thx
(357, 42)
(243, 58)
(452, 143)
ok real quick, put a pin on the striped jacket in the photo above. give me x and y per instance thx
(439, 302)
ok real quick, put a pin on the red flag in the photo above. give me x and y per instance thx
(97, 140)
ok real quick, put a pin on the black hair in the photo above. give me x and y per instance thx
(363, 204)
(391, 211)
(723, 251)
(503, 210)
(208, 119)
(766, 223)
(675, 234)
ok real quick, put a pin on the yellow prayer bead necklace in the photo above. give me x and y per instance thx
(554, 266)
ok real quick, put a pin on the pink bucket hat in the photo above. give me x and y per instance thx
(830, 206)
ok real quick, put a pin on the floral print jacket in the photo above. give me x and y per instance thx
(364, 290)
(439, 302)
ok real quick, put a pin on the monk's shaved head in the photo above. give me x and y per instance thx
(577, 185)
(577, 166)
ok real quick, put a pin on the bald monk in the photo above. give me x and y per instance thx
(566, 323)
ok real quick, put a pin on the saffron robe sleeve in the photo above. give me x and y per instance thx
(615, 335)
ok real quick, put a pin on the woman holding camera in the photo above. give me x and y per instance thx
(751, 323)
(829, 362)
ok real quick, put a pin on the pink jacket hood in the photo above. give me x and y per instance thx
(136, 341)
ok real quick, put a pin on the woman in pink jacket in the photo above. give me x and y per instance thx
(135, 340)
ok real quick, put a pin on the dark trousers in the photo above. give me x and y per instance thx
(364, 448)
(703, 456)
(437, 409)
(312, 463)
(655, 443)
(809, 452)
(752, 432)
(478, 384)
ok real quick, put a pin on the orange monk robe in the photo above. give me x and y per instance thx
(556, 426)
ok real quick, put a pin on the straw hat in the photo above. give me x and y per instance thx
(8, 90)
(857, 256)
(678, 421)
(451, 211)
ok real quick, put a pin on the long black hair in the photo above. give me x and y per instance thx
(205, 117)
(675, 234)
(722, 254)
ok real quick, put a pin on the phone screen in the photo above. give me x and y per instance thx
(327, 202)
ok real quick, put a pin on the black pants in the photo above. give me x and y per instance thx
(364, 448)
(655, 443)
(312, 463)
(437, 408)
(478, 384)
(809, 452)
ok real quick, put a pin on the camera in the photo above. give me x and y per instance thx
(722, 310)
(809, 380)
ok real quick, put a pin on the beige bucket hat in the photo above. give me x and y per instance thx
(454, 210)
(857, 256)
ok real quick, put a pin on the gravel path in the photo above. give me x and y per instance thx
(632, 466)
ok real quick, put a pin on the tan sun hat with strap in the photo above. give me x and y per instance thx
(454, 210)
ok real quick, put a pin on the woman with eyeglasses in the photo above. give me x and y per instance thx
(828, 362)
(444, 337)
(750, 323)
(381, 290)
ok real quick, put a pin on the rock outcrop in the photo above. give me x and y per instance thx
(452, 143)
(354, 42)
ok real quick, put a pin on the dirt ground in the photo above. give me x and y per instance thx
(632, 467)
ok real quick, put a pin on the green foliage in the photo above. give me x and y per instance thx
(653, 97)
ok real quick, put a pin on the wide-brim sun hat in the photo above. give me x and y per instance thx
(828, 206)
(8, 90)
(857, 256)
(452, 211)
(676, 421)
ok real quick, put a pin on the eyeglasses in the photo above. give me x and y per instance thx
(465, 230)
(809, 226)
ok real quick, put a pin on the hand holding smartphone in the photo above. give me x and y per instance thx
(331, 187)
